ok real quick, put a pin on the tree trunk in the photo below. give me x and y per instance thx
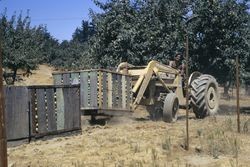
(247, 89)
(226, 89)
(14, 76)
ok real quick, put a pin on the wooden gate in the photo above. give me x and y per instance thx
(16, 112)
(37, 111)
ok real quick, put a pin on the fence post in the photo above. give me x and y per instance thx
(3, 142)
(237, 93)
(187, 95)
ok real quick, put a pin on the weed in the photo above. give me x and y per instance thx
(201, 140)
(246, 126)
(166, 145)
(78, 164)
(228, 124)
(154, 157)
(236, 151)
(213, 146)
(218, 142)
(135, 147)
(120, 163)
(136, 163)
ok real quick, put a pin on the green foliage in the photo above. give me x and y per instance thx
(83, 33)
(73, 55)
(219, 33)
(24, 47)
(137, 31)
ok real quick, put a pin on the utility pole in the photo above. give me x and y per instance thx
(238, 93)
(187, 94)
(3, 142)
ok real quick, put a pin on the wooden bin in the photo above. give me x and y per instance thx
(101, 91)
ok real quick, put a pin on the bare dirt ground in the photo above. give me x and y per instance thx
(136, 141)
(41, 76)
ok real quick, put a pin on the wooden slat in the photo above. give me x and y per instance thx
(33, 113)
(68, 108)
(57, 79)
(51, 109)
(76, 107)
(110, 89)
(60, 108)
(114, 90)
(16, 108)
(93, 89)
(100, 89)
(75, 78)
(105, 90)
(119, 91)
(66, 79)
(124, 91)
(41, 111)
(129, 88)
(84, 89)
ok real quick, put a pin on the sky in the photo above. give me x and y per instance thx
(61, 17)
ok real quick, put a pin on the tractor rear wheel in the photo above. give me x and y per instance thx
(204, 96)
(170, 108)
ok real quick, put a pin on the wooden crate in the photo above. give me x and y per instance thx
(101, 91)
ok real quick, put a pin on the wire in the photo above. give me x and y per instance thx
(58, 19)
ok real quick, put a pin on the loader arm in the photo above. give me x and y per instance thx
(152, 69)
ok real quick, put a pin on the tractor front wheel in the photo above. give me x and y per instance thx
(170, 108)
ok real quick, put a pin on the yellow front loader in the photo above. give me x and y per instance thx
(161, 89)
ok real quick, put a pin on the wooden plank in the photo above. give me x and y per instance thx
(114, 90)
(102, 70)
(21, 107)
(124, 92)
(33, 111)
(51, 86)
(110, 89)
(105, 90)
(41, 111)
(57, 79)
(16, 108)
(129, 95)
(75, 79)
(51, 109)
(119, 91)
(93, 89)
(60, 108)
(76, 108)
(100, 89)
(69, 105)
(84, 89)
(66, 79)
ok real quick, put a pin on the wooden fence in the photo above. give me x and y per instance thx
(37, 111)
(100, 90)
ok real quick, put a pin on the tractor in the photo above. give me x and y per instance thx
(162, 89)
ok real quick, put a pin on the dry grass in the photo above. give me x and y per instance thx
(213, 142)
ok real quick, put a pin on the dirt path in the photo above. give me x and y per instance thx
(41, 76)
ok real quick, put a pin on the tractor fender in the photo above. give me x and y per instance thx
(193, 76)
